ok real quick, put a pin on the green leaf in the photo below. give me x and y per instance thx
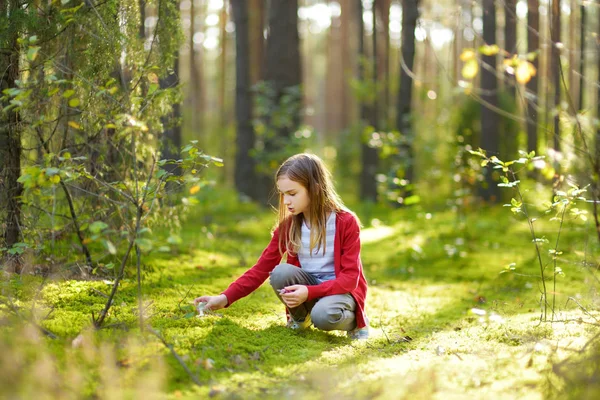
(110, 247)
(68, 93)
(51, 171)
(73, 103)
(97, 226)
(174, 239)
(144, 244)
(32, 52)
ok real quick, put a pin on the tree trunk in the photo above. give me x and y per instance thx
(533, 23)
(489, 87)
(224, 150)
(282, 72)
(581, 56)
(383, 7)
(245, 177)
(510, 40)
(346, 98)
(10, 134)
(555, 38)
(171, 140)
(410, 14)
(256, 27)
(368, 183)
(196, 93)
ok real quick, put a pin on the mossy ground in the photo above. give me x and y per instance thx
(427, 271)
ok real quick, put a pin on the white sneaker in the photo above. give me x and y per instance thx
(359, 334)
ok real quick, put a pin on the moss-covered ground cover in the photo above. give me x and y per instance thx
(445, 323)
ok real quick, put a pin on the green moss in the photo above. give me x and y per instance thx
(427, 272)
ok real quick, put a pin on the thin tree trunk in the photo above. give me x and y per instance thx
(582, 32)
(410, 14)
(368, 183)
(555, 38)
(245, 166)
(383, 7)
(222, 78)
(346, 99)
(489, 87)
(510, 40)
(533, 24)
(10, 135)
(196, 99)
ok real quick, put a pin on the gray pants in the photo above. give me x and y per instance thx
(327, 313)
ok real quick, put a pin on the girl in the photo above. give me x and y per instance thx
(322, 281)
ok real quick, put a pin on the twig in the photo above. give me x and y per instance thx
(15, 311)
(177, 357)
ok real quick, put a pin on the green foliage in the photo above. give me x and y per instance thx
(563, 206)
(276, 123)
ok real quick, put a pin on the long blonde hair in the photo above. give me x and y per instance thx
(309, 171)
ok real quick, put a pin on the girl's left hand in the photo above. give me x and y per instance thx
(295, 295)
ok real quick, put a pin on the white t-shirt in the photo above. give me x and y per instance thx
(320, 263)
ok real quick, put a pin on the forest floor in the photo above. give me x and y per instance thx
(444, 322)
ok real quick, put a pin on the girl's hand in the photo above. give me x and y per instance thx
(212, 302)
(295, 295)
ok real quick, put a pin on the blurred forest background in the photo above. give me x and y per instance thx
(392, 94)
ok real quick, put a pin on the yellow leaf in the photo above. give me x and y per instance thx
(524, 72)
(470, 69)
(74, 125)
(194, 189)
(489, 50)
(152, 77)
(467, 55)
(55, 178)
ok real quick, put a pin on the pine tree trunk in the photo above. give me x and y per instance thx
(510, 40)
(555, 38)
(245, 167)
(533, 24)
(582, 32)
(410, 14)
(10, 134)
(282, 72)
(489, 86)
(369, 158)
(256, 26)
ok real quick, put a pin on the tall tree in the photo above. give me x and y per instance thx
(10, 130)
(282, 68)
(410, 14)
(369, 157)
(245, 166)
(489, 87)
(533, 29)
(283, 77)
(171, 139)
(582, 31)
(196, 84)
(510, 40)
(256, 26)
(555, 63)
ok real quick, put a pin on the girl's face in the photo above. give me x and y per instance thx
(295, 196)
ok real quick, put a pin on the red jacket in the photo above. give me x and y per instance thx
(349, 276)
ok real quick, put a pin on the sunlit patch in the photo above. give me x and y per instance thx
(370, 235)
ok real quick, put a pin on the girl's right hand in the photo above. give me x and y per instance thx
(212, 302)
